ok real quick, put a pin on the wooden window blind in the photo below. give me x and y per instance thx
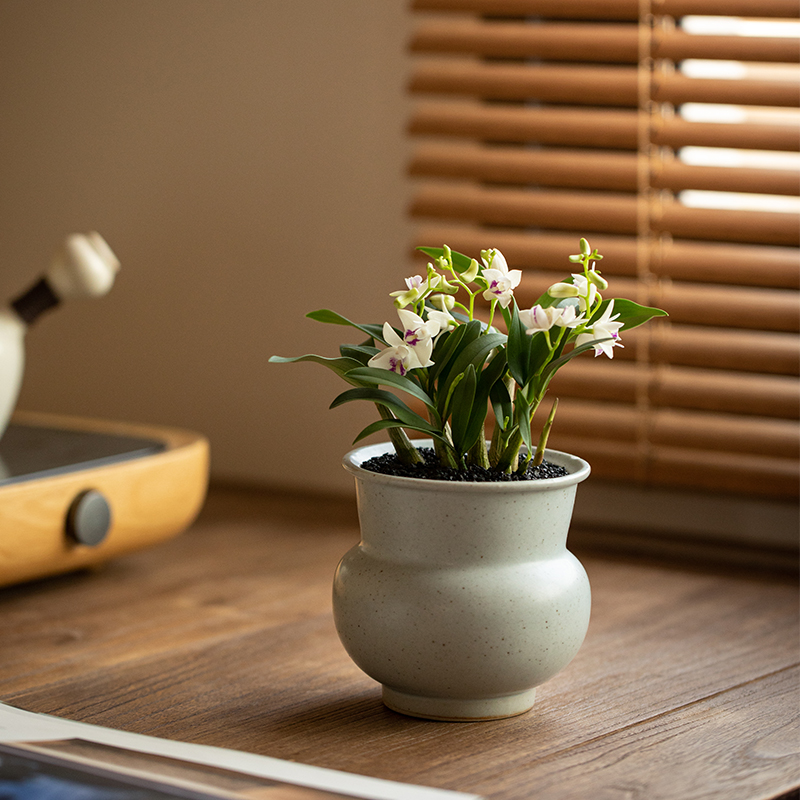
(536, 122)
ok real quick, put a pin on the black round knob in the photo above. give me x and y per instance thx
(89, 518)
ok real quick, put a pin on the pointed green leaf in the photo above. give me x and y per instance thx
(631, 314)
(463, 400)
(518, 349)
(341, 366)
(332, 318)
(501, 404)
(470, 332)
(524, 420)
(476, 351)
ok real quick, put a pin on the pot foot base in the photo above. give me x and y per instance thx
(448, 709)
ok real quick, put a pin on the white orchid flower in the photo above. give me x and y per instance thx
(604, 328)
(501, 281)
(411, 351)
(398, 358)
(538, 319)
(418, 334)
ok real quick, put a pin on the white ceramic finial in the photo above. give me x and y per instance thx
(85, 266)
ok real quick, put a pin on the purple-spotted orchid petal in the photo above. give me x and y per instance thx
(500, 280)
(604, 328)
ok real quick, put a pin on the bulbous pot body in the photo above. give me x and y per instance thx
(461, 598)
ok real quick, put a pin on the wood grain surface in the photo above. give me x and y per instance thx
(687, 685)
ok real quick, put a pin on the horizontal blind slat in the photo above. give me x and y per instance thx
(596, 86)
(558, 210)
(677, 176)
(612, 9)
(767, 227)
(559, 126)
(787, 9)
(592, 85)
(580, 9)
(597, 169)
(678, 45)
(601, 42)
(572, 41)
(676, 88)
(688, 345)
(677, 132)
(590, 127)
(590, 169)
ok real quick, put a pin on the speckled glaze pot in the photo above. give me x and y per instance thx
(461, 598)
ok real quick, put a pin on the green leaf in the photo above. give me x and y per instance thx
(631, 314)
(519, 349)
(463, 401)
(501, 405)
(470, 332)
(524, 420)
(406, 415)
(446, 346)
(476, 351)
(384, 377)
(341, 366)
(332, 318)
(461, 262)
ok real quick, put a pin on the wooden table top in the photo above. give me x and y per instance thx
(688, 684)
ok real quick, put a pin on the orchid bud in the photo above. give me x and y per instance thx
(471, 272)
(562, 290)
(598, 280)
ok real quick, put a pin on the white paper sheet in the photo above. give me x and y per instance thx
(18, 726)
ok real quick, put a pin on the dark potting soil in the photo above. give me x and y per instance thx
(388, 464)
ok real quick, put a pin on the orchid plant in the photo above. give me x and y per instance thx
(460, 368)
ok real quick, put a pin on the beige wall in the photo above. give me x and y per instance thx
(244, 158)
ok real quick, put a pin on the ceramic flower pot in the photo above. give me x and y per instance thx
(461, 598)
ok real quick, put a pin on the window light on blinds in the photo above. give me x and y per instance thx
(537, 122)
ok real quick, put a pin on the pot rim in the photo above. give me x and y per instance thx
(579, 471)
